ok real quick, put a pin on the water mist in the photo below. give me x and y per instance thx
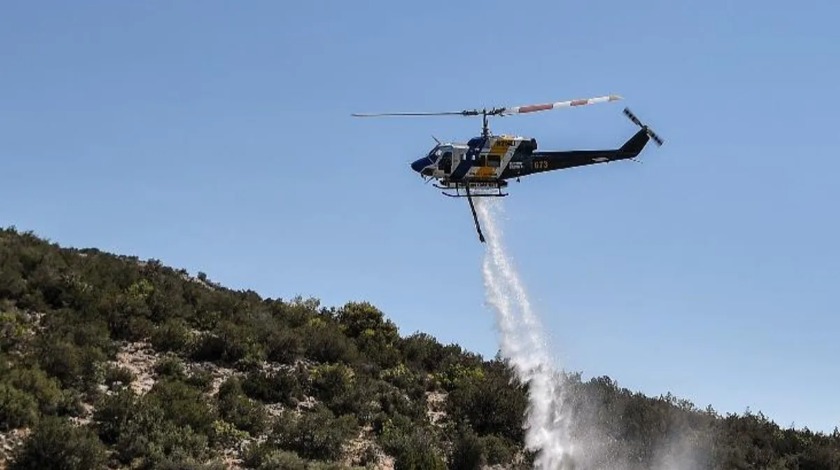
(525, 348)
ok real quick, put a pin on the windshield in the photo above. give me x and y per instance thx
(434, 154)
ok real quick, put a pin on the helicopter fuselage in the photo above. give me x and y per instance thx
(488, 158)
(496, 158)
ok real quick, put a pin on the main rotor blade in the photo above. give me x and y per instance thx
(442, 113)
(532, 108)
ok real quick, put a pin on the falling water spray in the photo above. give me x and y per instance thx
(525, 348)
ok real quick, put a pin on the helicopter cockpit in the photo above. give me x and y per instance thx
(438, 160)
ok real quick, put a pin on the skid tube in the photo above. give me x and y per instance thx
(497, 185)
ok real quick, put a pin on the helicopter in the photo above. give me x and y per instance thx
(483, 166)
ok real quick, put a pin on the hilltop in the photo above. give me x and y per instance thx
(110, 361)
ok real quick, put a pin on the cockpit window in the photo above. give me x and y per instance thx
(445, 162)
(434, 154)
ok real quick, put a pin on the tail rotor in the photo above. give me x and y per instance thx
(639, 123)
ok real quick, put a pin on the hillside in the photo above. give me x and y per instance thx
(110, 361)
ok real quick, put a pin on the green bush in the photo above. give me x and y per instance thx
(236, 408)
(56, 443)
(422, 352)
(171, 336)
(284, 345)
(200, 379)
(118, 374)
(413, 447)
(266, 457)
(226, 435)
(325, 343)
(45, 390)
(153, 436)
(330, 381)
(170, 367)
(375, 337)
(113, 413)
(13, 325)
(239, 342)
(17, 408)
(393, 401)
(498, 451)
(489, 403)
(274, 387)
(182, 404)
(467, 450)
(208, 347)
(317, 434)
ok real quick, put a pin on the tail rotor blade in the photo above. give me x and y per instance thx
(633, 117)
(647, 129)
(655, 138)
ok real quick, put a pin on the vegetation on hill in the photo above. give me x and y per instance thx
(110, 361)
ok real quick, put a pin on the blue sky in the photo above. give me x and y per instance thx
(216, 136)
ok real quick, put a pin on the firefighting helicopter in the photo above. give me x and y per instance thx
(482, 166)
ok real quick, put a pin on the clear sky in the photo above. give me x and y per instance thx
(216, 136)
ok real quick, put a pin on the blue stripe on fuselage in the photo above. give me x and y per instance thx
(462, 169)
(476, 145)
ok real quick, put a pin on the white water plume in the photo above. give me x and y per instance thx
(525, 348)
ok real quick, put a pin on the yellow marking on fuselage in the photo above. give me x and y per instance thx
(485, 171)
(500, 146)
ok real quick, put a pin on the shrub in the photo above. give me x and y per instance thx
(201, 379)
(422, 352)
(411, 446)
(265, 457)
(17, 408)
(236, 408)
(489, 403)
(374, 336)
(317, 434)
(13, 325)
(118, 374)
(182, 404)
(284, 345)
(498, 451)
(208, 347)
(56, 443)
(467, 450)
(170, 367)
(112, 413)
(173, 335)
(331, 381)
(325, 343)
(45, 390)
(225, 434)
(239, 343)
(152, 437)
(275, 387)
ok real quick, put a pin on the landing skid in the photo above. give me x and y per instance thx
(494, 185)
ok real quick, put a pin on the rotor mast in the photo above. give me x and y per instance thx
(485, 114)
